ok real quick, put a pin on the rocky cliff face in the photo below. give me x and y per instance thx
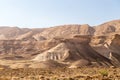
(74, 49)
(115, 44)
(107, 46)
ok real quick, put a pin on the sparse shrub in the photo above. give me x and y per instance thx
(70, 79)
(103, 72)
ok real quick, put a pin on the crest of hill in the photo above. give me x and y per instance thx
(12, 32)
(65, 31)
(110, 27)
(7, 32)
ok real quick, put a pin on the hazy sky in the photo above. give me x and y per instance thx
(46, 13)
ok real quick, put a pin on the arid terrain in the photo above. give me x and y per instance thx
(66, 52)
(60, 74)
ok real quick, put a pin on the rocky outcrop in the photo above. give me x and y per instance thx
(108, 46)
(115, 44)
(73, 49)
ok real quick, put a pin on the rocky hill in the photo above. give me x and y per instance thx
(108, 28)
(11, 33)
(66, 31)
(112, 27)
(71, 45)
(74, 49)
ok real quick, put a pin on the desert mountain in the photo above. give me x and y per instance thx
(112, 27)
(71, 45)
